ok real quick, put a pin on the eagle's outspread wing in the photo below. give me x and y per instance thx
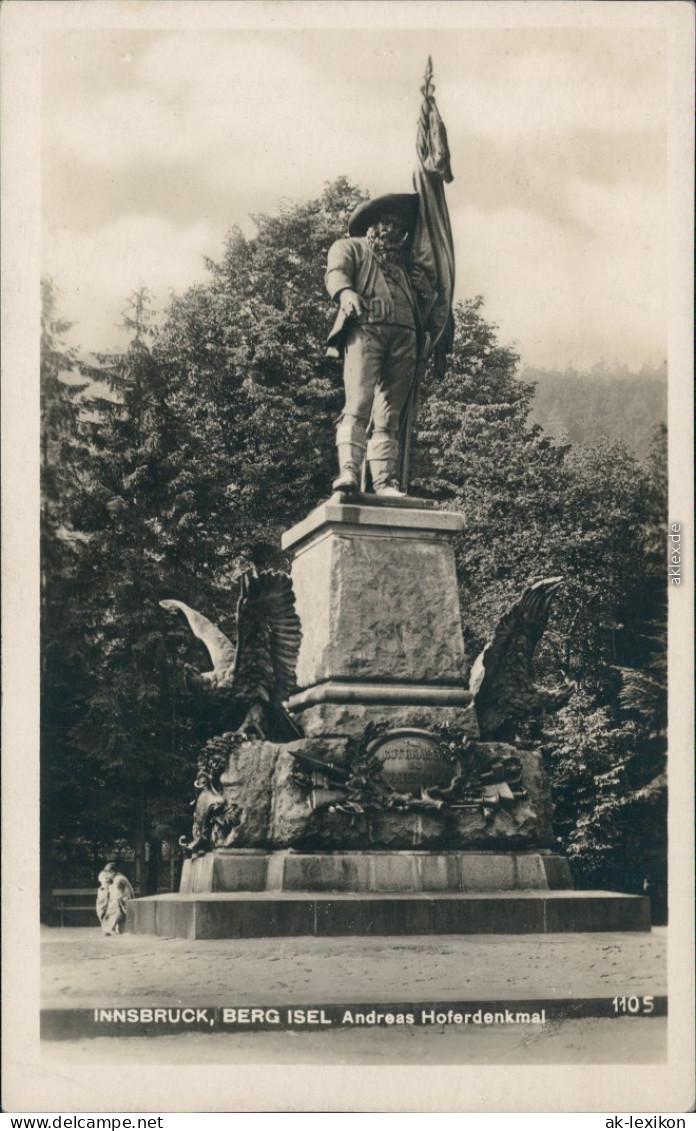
(502, 680)
(221, 650)
(268, 638)
(253, 680)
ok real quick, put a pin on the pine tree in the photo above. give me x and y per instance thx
(67, 785)
(135, 493)
(60, 442)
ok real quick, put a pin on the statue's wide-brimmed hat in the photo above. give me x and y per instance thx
(405, 204)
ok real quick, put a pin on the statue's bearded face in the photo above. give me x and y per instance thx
(387, 237)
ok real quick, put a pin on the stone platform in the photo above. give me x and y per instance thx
(238, 893)
(236, 915)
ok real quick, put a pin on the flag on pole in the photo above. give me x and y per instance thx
(433, 247)
(432, 259)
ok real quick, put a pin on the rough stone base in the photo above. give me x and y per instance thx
(274, 811)
(232, 870)
(273, 914)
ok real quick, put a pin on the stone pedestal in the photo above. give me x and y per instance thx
(376, 592)
(400, 828)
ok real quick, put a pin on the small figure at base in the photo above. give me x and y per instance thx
(114, 892)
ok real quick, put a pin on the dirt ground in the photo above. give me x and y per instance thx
(82, 968)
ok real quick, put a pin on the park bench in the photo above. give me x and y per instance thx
(78, 904)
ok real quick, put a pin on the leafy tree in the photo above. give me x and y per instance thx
(594, 515)
(608, 777)
(248, 348)
(478, 453)
(605, 511)
(607, 750)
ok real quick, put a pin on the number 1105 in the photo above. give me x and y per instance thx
(633, 1004)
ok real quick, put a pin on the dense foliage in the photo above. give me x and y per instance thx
(179, 463)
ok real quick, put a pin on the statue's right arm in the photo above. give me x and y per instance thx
(341, 268)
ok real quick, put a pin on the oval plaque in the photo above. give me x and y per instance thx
(412, 760)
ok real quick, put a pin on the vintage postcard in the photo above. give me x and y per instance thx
(347, 557)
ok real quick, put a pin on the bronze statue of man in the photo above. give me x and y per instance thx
(393, 281)
(379, 333)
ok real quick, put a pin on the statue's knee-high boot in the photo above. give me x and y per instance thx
(351, 443)
(383, 459)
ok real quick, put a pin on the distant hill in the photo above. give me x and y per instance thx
(607, 401)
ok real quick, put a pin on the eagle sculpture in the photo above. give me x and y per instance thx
(502, 679)
(253, 679)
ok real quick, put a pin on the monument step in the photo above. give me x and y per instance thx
(272, 914)
(404, 872)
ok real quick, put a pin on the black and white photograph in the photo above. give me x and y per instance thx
(348, 556)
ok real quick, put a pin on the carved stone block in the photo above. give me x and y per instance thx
(294, 822)
(376, 593)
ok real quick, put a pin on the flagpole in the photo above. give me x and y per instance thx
(433, 252)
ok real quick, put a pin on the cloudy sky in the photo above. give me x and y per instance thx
(156, 142)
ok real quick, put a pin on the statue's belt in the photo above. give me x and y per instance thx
(376, 311)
